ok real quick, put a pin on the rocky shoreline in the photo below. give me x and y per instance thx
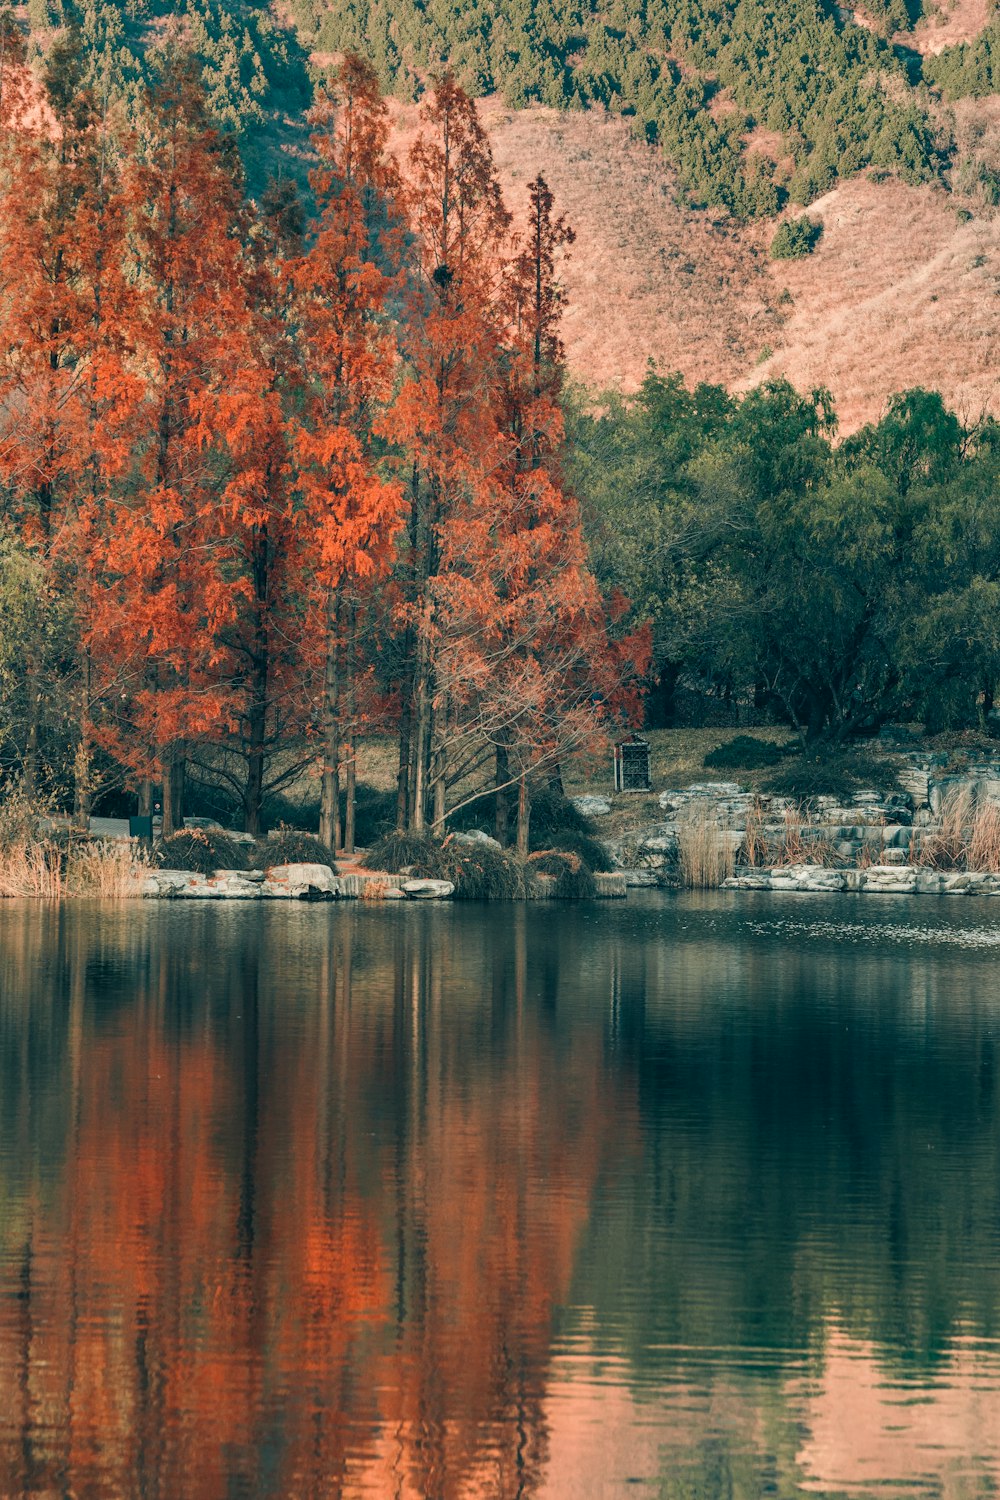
(881, 842)
(313, 882)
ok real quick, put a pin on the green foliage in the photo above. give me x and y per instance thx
(743, 752)
(552, 813)
(795, 238)
(828, 775)
(202, 850)
(833, 587)
(254, 69)
(374, 813)
(281, 811)
(573, 881)
(584, 845)
(837, 93)
(289, 846)
(969, 70)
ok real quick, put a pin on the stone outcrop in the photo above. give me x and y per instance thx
(427, 890)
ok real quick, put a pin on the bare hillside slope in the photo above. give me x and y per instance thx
(901, 290)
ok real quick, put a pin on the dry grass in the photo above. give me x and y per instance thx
(108, 870)
(897, 294)
(706, 854)
(967, 838)
(43, 869)
(374, 890)
(32, 869)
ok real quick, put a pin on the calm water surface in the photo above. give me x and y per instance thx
(680, 1197)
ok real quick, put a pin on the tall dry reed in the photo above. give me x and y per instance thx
(705, 848)
(109, 869)
(32, 869)
(967, 837)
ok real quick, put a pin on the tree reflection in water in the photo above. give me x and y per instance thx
(494, 1203)
(284, 1215)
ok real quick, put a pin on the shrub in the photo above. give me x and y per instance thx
(744, 752)
(419, 854)
(203, 800)
(584, 845)
(482, 873)
(795, 238)
(20, 817)
(200, 849)
(552, 812)
(574, 882)
(826, 775)
(279, 811)
(290, 846)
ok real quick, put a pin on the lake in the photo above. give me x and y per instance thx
(686, 1197)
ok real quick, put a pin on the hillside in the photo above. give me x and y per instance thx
(899, 290)
(675, 135)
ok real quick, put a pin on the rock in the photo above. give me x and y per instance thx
(392, 894)
(891, 880)
(428, 890)
(915, 780)
(639, 877)
(300, 882)
(592, 807)
(475, 836)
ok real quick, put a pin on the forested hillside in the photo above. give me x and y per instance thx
(753, 103)
(696, 78)
(254, 71)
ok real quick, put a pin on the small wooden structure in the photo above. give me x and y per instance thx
(632, 765)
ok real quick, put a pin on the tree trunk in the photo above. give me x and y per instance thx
(260, 671)
(421, 734)
(403, 774)
(329, 807)
(145, 808)
(438, 767)
(500, 817)
(350, 748)
(523, 815)
(82, 760)
(30, 771)
(174, 775)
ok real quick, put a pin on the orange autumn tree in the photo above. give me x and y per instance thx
(350, 512)
(63, 395)
(442, 421)
(256, 750)
(170, 590)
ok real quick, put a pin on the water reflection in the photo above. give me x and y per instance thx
(497, 1203)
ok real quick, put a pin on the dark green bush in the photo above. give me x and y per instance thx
(482, 873)
(795, 238)
(551, 812)
(201, 849)
(744, 752)
(589, 849)
(828, 775)
(279, 811)
(202, 800)
(290, 846)
(574, 882)
(374, 813)
(420, 854)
